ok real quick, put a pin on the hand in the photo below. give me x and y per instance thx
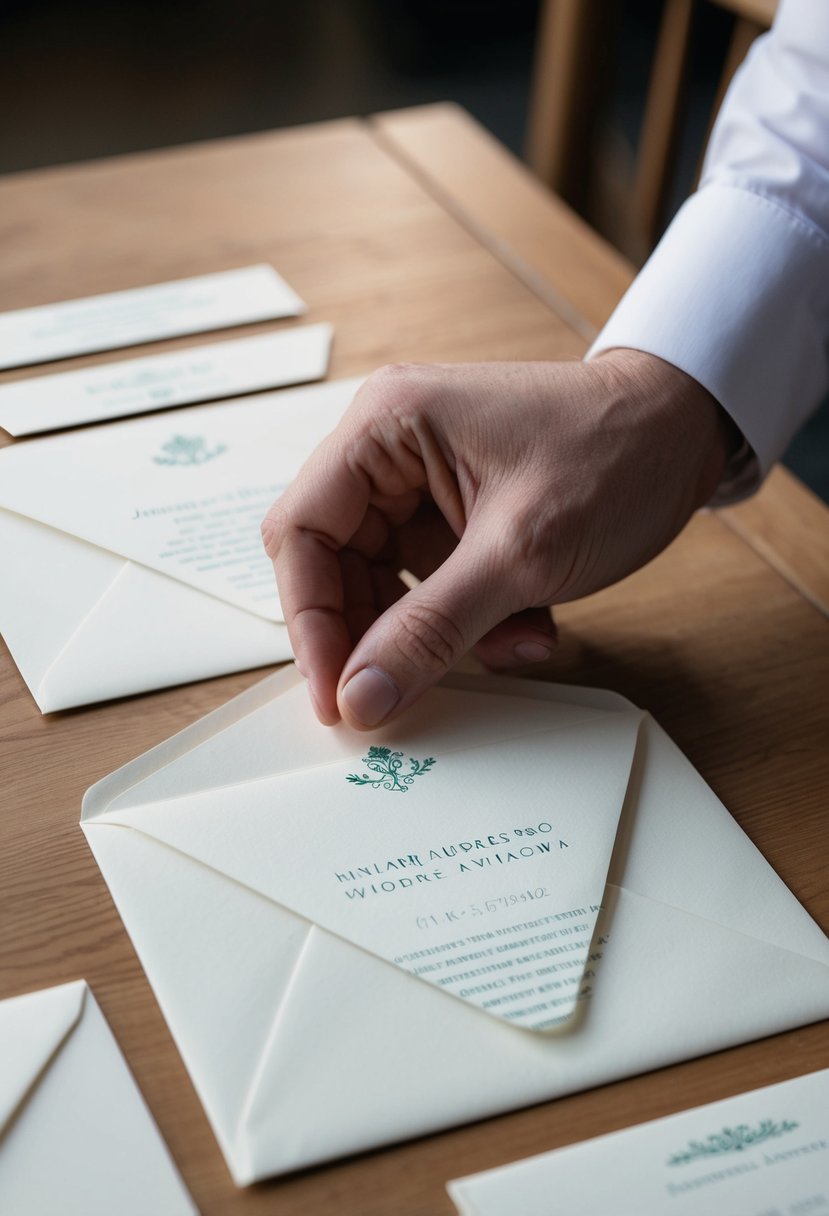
(506, 488)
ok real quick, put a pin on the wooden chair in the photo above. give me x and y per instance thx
(572, 64)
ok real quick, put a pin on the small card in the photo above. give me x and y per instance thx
(139, 386)
(465, 844)
(145, 314)
(764, 1153)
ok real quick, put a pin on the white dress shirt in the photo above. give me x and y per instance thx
(737, 292)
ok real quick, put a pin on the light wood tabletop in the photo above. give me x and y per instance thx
(421, 240)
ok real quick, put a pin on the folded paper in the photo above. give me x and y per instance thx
(156, 382)
(132, 554)
(75, 1134)
(361, 1020)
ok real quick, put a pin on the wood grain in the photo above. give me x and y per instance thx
(728, 654)
(535, 234)
(788, 526)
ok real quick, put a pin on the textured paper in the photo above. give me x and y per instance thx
(144, 314)
(139, 386)
(478, 867)
(132, 552)
(75, 1135)
(764, 1153)
(336, 1050)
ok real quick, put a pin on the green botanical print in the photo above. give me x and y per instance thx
(387, 765)
(192, 449)
(731, 1140)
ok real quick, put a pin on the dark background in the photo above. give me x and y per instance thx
(95, 78)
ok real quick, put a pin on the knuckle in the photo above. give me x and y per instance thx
(427, 639)
(394, 388)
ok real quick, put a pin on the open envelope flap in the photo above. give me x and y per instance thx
(478, 868)
(33, 1028)
(181, 493)
(269, 730)
(358, 1053)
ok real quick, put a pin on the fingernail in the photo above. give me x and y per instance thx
(314, 700)
(370, 696)
(531, 652)
(266, 531)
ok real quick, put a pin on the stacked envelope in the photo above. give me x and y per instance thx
(131, 553)
(75, 1135)
(515, 892)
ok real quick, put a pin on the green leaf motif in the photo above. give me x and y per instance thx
(188, 449)
(732, 1140)
(386, 770)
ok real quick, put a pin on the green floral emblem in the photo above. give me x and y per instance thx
(387, 766)
(188, 449)
(732, 1140)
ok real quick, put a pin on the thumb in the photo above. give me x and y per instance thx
(419, 638)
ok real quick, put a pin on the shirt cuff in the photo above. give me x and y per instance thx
(737, 296)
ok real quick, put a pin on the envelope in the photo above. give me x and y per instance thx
(307, 1040)
(131, 553)
(75, 1135)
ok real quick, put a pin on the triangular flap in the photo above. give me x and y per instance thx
(480, 870)
(128, 784)
(33, 1028)
(35, 620)
(543, 691)
(678, 815)
(272, 729)
(220, 1015)
(675, 813)
(337, 1046)
(148, 631)
(181, 493)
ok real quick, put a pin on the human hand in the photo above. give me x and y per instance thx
(506, 488)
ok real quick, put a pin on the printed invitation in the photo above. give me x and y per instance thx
(764, 1153)
(144, 314)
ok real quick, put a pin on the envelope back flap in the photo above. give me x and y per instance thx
(147, 770)
(57, 580)
(33, 1028)
(220, 960)
(257, 736)
(183, 493)
(175, 634)
(478, 868)
(674, 814)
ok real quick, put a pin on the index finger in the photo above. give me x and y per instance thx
(303, 532)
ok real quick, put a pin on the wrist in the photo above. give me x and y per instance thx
(693, 427)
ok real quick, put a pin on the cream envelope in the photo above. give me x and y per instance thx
(75, 1135)
(131, 553)
(305, 1046)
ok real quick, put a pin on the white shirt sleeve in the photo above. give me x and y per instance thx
(737, 292)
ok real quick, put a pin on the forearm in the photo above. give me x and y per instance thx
(737, 293)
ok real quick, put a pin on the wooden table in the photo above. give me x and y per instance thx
(420, 239)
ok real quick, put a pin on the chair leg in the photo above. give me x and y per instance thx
(661, 123)
(567, 84)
